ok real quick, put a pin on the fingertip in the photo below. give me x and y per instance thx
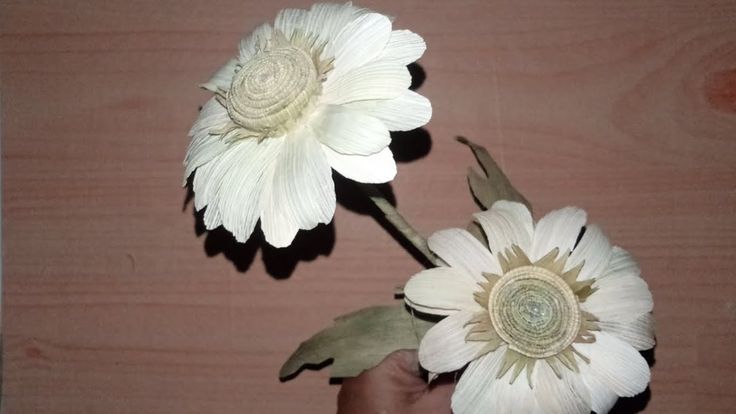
(406, 359)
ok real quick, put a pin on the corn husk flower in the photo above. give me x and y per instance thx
(547, 323)
(318, 90)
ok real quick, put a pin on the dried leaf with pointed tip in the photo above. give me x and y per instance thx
(358, 341)
(493, 185)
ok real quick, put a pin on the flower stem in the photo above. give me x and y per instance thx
(399, 223)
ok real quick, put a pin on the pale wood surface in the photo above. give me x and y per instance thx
(115, 303)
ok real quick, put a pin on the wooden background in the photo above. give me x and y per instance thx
(116, 301)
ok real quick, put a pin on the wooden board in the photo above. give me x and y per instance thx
(115, 301)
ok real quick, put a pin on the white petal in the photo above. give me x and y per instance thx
(351, 132)
(602, 398)
(616, 364)
(507, 223)
(480, 392)
(208, 178)
(375, 80)
(248, 45)
(621, 294)
(473, 392)
(203, 183)
(594, 250)
(444, 349)
(442, 290)
(213, 115)
(230, 186)
(558, 229)
(359, 42)
(238, 199)
(289, 20)
(560, 395)
(409, 111)
(204, 146)
(621, 264)
(213, 219)
(302, 193)
(372, 169)
(461, 250)
(327, 20)
(638, 333)
(404, 47)
(222, 79)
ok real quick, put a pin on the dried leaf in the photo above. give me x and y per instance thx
(358, 341)
(493, 185)
(477, 231)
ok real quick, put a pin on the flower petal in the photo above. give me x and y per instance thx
(560, 395)
(213, 115)
(248, 45)
(473, 392)
(221, 79)
(480, 392)
(507, 223)
(459, 249)
(377, 168)
(616, 364)
(404, 47)
(238, 199)
(231, 184)
(638, 333)
(204, 146)
(444, 349)
(351, 132)
(602, 398)
(289, 20)
(327, 20)
(359, 42)
(594, 250)
(442, 291)
(621, 294)
(209, 176)
(558, 229)
(302, 193)
(409, 111)
(375, 80)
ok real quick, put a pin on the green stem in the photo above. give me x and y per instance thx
(398, 221)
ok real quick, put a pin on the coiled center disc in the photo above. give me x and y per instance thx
(272, 89)
(534, 311)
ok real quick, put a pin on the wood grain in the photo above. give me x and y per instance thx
(115, 302)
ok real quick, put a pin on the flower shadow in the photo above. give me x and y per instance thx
(280, 263)
(639, 402)
(418, 75)
(632, 405)
(411, 145)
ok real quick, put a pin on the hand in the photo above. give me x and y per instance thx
(394, 386)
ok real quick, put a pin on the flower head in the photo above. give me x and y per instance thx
(548, 323)
(320, 89)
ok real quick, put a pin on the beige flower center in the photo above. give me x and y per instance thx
(534, 311)
(273, 88)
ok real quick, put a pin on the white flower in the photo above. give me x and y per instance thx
(319, 90)
(547, 325)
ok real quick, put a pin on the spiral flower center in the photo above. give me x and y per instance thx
(534, 311)
(273, 89)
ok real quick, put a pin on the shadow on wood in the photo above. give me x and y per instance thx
(411, 145)
(280, 262)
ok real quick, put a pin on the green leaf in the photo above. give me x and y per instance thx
(358, 341)
(492, 185)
